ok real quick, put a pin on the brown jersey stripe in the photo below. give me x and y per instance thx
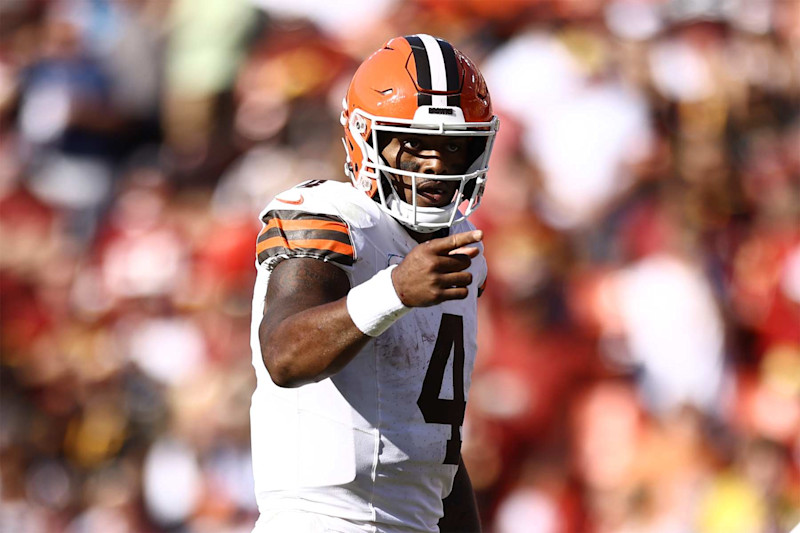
(305, 224)
(305, 234)
(278, 249)
(270, 243)
(319, 244)
(289, 233)
(324, 255)
(287, 214)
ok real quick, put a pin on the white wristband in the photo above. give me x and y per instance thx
(374, 305)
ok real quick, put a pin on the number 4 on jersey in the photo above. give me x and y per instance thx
(436, 410)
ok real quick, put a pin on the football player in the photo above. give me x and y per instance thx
(364, 309)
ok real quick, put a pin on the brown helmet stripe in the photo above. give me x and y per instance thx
(451, 70)
(423, 69)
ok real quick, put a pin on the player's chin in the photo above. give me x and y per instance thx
(435, 199)
(424, 203)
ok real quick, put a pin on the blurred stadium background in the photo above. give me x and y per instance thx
(639, 365)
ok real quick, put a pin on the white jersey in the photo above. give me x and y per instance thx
(378, 443)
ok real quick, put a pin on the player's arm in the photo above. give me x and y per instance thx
(460, 509)
(309, 332)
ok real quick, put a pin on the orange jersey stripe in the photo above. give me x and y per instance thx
(269, 243)
(305, 224)
(320, 244)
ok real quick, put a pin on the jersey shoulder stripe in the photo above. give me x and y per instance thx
(288, 233)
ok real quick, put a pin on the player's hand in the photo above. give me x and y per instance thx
(434, 271)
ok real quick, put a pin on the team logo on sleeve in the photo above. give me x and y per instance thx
(299, 234)
(295, 199)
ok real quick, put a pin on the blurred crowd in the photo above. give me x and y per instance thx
(639, 360)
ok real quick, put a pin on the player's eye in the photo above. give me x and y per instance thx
(453, 147)
(412, 143)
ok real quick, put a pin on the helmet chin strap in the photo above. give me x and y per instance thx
(404, 213)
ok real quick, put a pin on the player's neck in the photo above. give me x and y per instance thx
(423, 237)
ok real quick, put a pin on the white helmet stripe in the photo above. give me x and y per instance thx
(438, 70)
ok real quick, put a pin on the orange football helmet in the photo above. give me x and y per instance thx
(422, 85)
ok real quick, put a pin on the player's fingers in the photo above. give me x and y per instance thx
(452, 263)
(455, 279)
(455, 293)
(469, 251)
(445, 245)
